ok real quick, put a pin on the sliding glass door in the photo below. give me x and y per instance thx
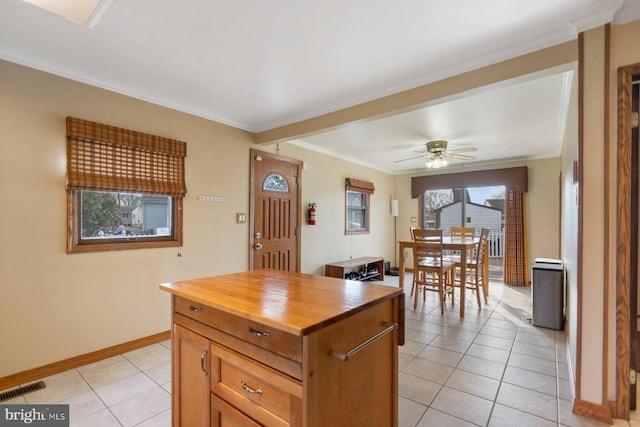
(475, 207)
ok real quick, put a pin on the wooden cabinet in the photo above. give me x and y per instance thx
(364, 268)
(190, 377)
(276, 348)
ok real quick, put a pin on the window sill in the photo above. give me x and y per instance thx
(73, 249)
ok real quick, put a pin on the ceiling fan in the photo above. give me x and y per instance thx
(438, 152)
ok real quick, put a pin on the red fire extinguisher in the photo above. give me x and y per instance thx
(312, 214)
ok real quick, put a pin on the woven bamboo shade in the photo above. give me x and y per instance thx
(108, 158)
(359, 185)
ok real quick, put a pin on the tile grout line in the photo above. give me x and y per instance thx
(483, 324)
(523, 319)
(107, 407)
(139, 371)
(506, 364)
(495, 400)
(154, 381)
(513, 341)
(446, 325)
(441, 385)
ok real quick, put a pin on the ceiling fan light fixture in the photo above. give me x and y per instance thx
(438, 160)
(438, 146)
(438, 153)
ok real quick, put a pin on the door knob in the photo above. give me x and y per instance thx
(258, 246)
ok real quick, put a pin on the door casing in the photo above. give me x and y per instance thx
(255, 155)
(626, 251)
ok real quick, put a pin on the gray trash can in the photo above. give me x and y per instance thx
(548, 293)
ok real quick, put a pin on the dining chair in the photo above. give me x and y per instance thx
(430, 271)
(411, 231)
(462, 232)
(475, 273)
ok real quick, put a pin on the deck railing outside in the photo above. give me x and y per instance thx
(496, 244)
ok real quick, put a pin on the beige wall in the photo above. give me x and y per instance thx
(54, 305)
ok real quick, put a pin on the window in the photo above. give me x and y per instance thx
(478, 207)
(124, 188)
(357, 212)
(432, 202)
(123, 217)
(357, 206)
(275, 182)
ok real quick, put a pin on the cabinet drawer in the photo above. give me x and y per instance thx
(264, 394)
(275, 340)
(225, 415)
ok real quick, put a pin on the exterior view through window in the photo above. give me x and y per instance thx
(477, 207)
(108, 216)
(357, 212)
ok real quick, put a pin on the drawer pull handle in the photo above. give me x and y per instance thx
(248, 389)
(258, 333)
(345, 356)
(202, 359)
(196, 309)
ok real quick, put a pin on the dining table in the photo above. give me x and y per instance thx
(462, 244)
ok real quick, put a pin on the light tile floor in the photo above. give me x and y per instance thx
(491, 369)
(131, 389)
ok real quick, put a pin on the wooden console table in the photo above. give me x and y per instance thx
(340, 269)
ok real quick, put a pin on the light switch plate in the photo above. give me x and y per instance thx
(241, 218)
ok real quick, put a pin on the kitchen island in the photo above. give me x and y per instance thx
(276, 348)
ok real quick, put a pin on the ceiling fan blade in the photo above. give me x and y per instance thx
(411, 158)
(459, 156)
(463, 150)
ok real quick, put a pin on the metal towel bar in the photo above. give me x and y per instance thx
(345, 356)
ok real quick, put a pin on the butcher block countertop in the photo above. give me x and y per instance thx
(293, 302)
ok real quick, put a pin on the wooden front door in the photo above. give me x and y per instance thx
(275, 212)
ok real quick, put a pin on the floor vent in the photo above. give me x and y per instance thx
(21, 390)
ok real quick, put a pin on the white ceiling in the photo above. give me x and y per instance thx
(260, 64)
(520, 119)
